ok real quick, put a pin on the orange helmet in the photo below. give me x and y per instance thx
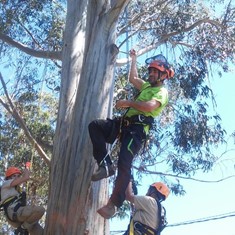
(161, 188)
(163, 67)
(11, 171)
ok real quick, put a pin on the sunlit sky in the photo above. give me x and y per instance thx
(204, 200)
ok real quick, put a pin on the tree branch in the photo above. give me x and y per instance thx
(40, 54)
(182, 177)
(5, 105)
(13, 111)
(166, 37)
(123, 61)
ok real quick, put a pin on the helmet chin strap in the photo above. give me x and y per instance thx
(159, 78)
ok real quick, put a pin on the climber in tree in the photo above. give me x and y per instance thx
(149, 216)
(18, 213)
(131, 129)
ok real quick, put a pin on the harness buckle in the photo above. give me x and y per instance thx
(137, 227)
(126, 122)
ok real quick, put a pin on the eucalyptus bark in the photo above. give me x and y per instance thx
(86, 93)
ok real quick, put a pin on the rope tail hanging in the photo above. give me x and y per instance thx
(29, 164)
(129, 39)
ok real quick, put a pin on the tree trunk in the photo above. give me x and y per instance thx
(86, 94)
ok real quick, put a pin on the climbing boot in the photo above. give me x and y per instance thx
(108, 210)
(104, 170)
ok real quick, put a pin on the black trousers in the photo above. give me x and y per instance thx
(132, 137)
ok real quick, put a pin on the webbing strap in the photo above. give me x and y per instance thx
(131, 231)
(14, 215)
(9, 200)
(144, 229)
(18, 201)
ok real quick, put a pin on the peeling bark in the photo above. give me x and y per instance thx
(86, 94)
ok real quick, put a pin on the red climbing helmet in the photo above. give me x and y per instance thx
(11, 171)
(163, 67)
(161, 188)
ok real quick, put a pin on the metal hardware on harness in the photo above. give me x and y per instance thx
(141, 118)
(126, 122)
(137, 119)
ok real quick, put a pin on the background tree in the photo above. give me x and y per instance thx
(81, 67)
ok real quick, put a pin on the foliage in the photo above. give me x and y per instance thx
(194, 37)
(37, 23)
(15, 149)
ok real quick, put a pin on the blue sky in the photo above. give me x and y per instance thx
(204, 200)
